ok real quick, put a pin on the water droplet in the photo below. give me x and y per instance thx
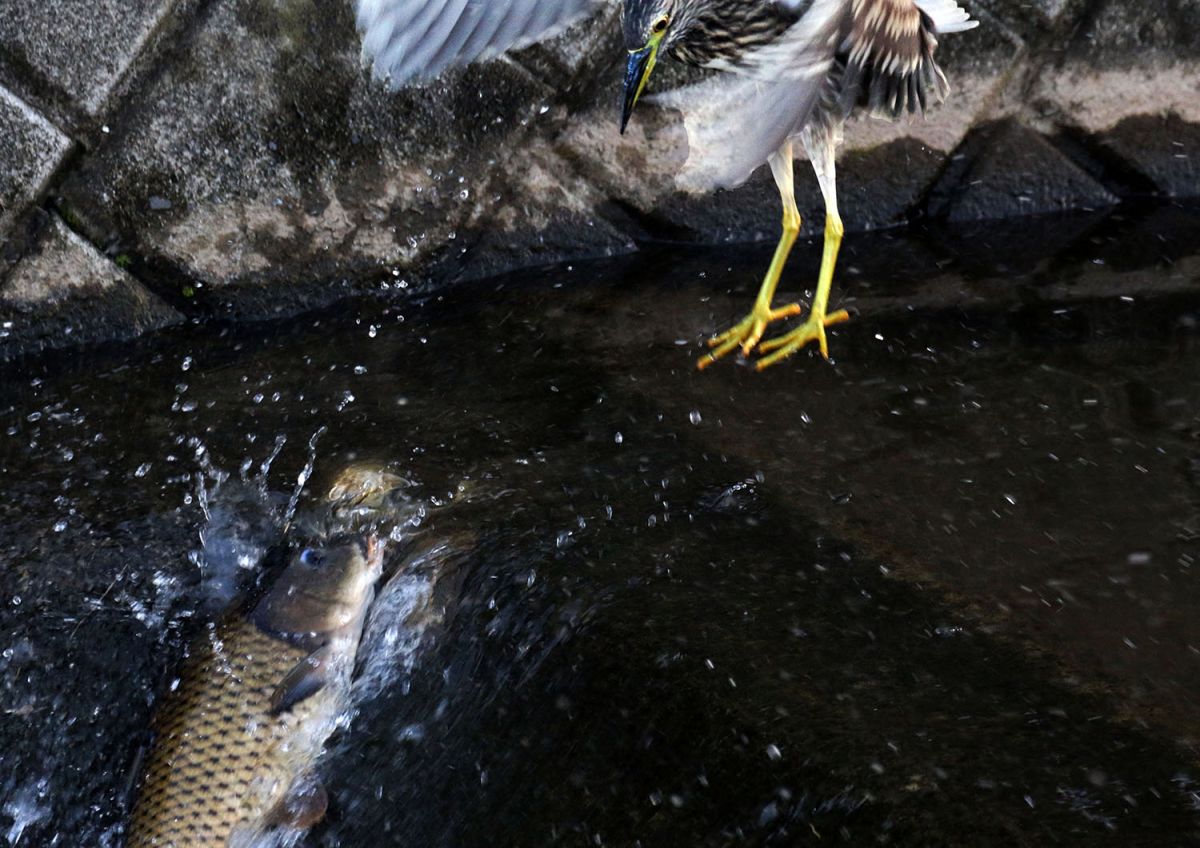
(618, 438)
(695, 417)
(142, 470)
(60, 526)
(186, 365)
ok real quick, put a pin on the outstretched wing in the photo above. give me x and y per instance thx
(409, 40)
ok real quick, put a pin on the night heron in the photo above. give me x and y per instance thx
(789, 71)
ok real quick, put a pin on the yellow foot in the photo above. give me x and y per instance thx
(811, 330)
(746, 333)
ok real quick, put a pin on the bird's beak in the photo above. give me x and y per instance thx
(641, 63)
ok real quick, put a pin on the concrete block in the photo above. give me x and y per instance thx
(1163, 148)
(283, 163)
(877, 188)
(31, 151)
(65, 293)
(80, 48)
(1126, 59)
(1006, 170)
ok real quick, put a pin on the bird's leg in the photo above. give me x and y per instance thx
(821, 148)
(747, 333)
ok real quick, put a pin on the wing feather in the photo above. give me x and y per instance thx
(947, 15)
(889, 53)
(411, 40)
(448, 35)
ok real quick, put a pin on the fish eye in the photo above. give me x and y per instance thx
(312, 557)
(660, 26)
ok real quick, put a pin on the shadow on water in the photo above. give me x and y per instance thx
(941, 593)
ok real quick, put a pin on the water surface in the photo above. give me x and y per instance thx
(943, 591)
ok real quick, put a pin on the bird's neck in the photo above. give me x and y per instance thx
(723, 30)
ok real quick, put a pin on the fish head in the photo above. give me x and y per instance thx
(322, 589)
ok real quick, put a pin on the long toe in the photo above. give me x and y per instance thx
(746, 334)
(781, 347)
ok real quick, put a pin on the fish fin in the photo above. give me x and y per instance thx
(303, 806)
(306, 679)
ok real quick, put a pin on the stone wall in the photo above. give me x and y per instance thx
(163, 159)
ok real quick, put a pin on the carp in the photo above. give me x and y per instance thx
(239, 734)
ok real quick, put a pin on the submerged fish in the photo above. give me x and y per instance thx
(239, 735)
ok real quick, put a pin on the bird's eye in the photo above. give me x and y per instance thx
(660, 26)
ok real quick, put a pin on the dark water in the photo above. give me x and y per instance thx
(945, 591)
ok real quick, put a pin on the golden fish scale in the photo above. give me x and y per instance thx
(220, 758)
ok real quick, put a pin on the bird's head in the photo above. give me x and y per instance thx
(650, 25)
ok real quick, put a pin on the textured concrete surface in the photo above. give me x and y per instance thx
(1163, 148)
(240, 158)
(1008, 164)
(63, 292)
(31, 151)
(77, 49)
(282, 164)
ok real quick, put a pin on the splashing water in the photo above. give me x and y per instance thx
(243, 519)
(303, 477)
(25, 808)
(401, 618)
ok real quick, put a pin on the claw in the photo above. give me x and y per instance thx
(746, 334)
(781, 347)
